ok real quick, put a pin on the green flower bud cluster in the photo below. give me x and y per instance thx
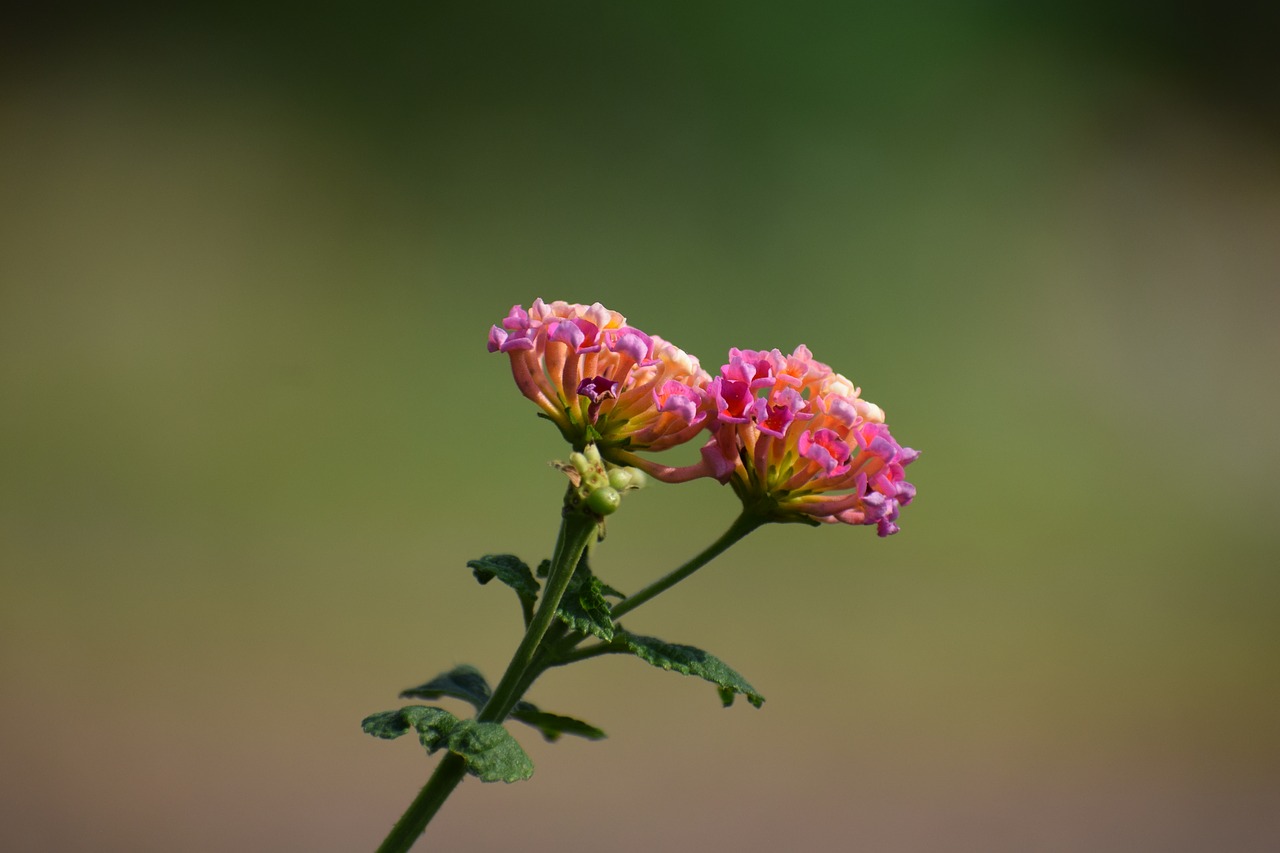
(598, 486)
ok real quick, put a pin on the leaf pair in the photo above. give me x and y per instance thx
(513, 572)
(466, 683)
(584, 607)
(490, 752)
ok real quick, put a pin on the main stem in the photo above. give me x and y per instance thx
(576, 531)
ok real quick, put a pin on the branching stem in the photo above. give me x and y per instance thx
(534, 656)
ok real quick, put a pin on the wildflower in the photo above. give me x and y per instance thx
(794, 437)
(603, 381)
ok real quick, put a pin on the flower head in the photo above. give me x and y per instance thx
(601, 380)
(793, 435)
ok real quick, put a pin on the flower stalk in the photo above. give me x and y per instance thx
(743, 525)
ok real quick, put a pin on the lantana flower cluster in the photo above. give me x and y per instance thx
(792, 437)
(789, 429)
(601, 380)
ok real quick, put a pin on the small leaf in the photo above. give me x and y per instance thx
(490, 752)
(544, 568)
(585, 610)
(462, 682)
(690, 661)
(552, 726)
(388, 725)
(509, 569)
(466, 683)
(432, 724)
(610, 591)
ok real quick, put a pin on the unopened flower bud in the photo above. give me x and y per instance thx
(604, 500)
(627, 479)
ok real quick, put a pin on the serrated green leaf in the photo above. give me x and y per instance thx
(388, 725)
(552, 726)
(584, 608)
(690, 660)
(610, 591)
(466, 683)
(490, 752)
(509, 569)
(462, 682)
(432, 724)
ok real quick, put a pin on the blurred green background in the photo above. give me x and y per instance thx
(249, 432)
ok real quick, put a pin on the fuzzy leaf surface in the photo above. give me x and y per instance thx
(552, 726)
(610, 591)
(509, 569)
(466, 683)
(584, 608)
(462, 682)
(690, 660)
(489, 751)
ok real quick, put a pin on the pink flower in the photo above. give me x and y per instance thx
(793, 436)
(600, 380)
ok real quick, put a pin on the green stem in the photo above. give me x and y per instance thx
(576, 531)
(447, 775)
(589, 652)
(742, 525)
(556, 653)
(541, 662)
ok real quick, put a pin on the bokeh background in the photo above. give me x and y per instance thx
(249, 432)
